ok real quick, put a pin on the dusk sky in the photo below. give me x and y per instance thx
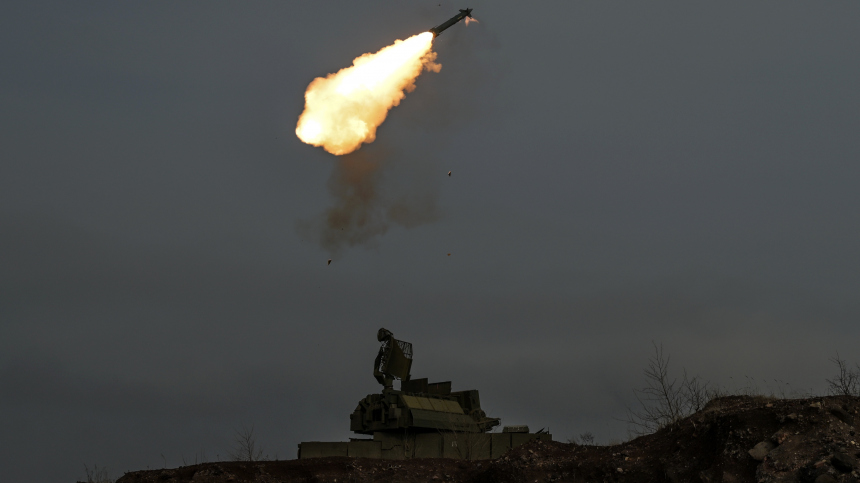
(622, 173)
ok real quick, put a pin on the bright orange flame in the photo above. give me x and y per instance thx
(343, 110)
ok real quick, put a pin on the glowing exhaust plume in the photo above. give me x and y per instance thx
(343, 110)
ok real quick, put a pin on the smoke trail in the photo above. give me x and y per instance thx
(364, 207)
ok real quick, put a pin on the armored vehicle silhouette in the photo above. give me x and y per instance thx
(421, 420)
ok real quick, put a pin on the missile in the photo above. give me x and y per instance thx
(456, 18)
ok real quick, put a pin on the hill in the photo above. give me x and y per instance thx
(732, 439)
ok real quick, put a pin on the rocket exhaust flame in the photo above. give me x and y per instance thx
(343, 110)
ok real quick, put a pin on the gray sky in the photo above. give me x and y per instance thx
(622, 172)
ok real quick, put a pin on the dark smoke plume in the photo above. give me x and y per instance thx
(365, 207)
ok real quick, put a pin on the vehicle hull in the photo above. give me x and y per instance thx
(425, 444)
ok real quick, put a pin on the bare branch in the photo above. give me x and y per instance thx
(245, 446)
(97, 475)
(663, 401)
(846, 382)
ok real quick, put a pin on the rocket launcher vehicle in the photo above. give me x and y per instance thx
(419, 420)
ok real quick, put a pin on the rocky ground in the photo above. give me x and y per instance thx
(733, 439)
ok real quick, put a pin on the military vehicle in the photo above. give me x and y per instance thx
(421, 419)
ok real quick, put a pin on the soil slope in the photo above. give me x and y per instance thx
(733, 439)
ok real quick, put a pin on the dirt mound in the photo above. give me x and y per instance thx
(733, 439)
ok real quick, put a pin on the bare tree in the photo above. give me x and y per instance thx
(245, 446)
(659, 399)
(664, 401)
(97, 475)
(846, 382)
(586, 438)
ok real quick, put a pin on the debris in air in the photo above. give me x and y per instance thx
(449, 173)
(329, 262)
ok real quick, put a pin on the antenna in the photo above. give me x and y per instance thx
(394, 359)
